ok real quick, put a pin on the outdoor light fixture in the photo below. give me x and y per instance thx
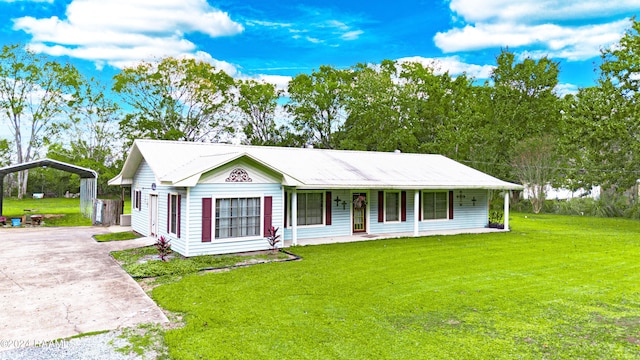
(473, 200)
(337, 200)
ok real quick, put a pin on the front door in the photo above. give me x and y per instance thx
(153, 214)
(359, 204)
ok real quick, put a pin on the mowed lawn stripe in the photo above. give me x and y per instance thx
(553, 287)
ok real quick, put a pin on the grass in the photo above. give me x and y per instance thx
(555, 287)
(69, 208)
(116, 236)
(145, 340)
(143, 262)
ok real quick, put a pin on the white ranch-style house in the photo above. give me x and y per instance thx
(219, 198)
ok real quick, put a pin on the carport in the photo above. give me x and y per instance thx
(88, 180)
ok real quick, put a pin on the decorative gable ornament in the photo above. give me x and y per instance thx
(238, 175)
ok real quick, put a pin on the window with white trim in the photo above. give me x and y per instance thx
(391, 206)
(435, 205)
(173, 214)
(310, 208)
(237, 217)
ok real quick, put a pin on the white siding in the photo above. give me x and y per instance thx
(142, 181)
(467, 216)
(177, 243)
(197, 247)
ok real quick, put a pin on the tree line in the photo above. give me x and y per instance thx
(514, 125)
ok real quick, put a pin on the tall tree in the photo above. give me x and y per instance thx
(174, 99)
(602, 124)
(34, 92)
(438, 108)
(535, 164)
(90, 137)
(317, 104)
(258, 103)
(520, 103)
(375, 119)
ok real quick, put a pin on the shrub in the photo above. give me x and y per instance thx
(163, 245)
(273, 238)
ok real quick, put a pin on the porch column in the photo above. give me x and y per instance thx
(416, 213)
(506, 209)
(294, 217)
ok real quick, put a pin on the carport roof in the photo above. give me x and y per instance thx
(59, 165)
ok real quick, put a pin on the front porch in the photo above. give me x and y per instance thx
(367, 237)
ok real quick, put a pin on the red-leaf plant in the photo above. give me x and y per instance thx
(273, 238)
(163, 245)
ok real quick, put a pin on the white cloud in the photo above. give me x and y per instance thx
(453, 64)
(529, 11)
(280, 81)
(564, 89)
(572, 43)
(351, 35)
(542, 27)
(313, 40)
(123, 32)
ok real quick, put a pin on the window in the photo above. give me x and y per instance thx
(310, 208)
(237, 217)
(434, 205)
(137, 200)
(392, 206)
(173, 214)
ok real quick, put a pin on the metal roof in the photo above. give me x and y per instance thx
(181, 164)
(80, 171)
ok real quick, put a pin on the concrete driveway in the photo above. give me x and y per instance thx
(59, 282)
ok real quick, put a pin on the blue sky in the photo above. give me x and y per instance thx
(277, 40)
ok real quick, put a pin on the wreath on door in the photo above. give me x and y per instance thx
(360, 202)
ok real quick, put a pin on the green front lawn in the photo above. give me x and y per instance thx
(555, 287)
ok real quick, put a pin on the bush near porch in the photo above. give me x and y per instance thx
(554, 287)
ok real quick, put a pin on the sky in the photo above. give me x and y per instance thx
(276, 40)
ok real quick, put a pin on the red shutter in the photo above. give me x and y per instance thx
(206, 219)
(450, 204)
(178, 220)
(403, 206)
(380, 206)
(420, 206)
(286, 208)
(328, 208)
(168, 213)
(268, 207)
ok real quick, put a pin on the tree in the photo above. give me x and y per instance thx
(174, 99)
(601, 123)
(535, 165)
(438, 109)
(89, 139)
(317, 104)
(34, 92)
(375, 120)
(258, 103)
(520, 104)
